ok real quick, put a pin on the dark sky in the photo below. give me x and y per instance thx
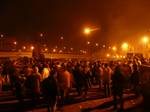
(117, 20)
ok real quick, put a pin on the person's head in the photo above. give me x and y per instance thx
(105, 65)
(46, 65)
(117, 68)
(35, 69)
(28, 71)
(135, 67)
(1, 68)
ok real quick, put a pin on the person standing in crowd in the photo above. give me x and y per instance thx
(98, 74)
(64, 81)
(87, 75)
(32, 84)
(101, 76)
(49, 87)
(107, 79)
(1, 78)
(45, 71)
(79, 78)
(135, 79)
(118, 87)
(12, 73)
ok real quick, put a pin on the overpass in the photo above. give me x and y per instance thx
(15, 55)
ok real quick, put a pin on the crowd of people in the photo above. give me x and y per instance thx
(53, 79)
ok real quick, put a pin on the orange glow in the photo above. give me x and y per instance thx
(125, 46)
(60, 51)
(96, 44)
(54, 50)
(107, 55)
(61, 38)
(24, 47)
(87, 30)
(32, 47)
(15, 43)
(46, 49)
(41, 34)
(145, 39)
(88, 42)
(104, 46)
(2, 35)
(114, 48)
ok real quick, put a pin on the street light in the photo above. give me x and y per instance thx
(41, 34)
(60, 51)
(87, 31)
(24, 47)
(61, 38)
(104, 46)
(107, 55)
(15, 43)
(125, 46)
(114, 48)
(32, 47)
(71, 49)
(46, 49)
(145, 39)
(1, 35)
(96, 44)
(88, 42)
(54, 50)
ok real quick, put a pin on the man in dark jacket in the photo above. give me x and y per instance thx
(50, 91)
(135, 79)
(32, 84)
(117, 87)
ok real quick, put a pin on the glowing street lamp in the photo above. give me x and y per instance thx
(61, 38)
(32, 48)
(114, 48)
(24, 47)
(107, 55)
(88, 42)
(87, 31)
(46, 49)
(145, 39)
(41, 34)
(84, 52)
(15, 43)
(54, 50)
(64, 47)
(125, 46)
(1, 35)
(96, 44)
(104, 46)
(60, 51)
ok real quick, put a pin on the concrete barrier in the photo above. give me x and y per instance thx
(15, 55)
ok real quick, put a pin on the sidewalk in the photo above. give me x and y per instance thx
(99, 105)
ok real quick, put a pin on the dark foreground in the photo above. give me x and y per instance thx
(93, 102)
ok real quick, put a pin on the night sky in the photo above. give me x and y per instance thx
(117, 20)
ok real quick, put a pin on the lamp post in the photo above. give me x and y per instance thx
(15, 45)
(145, 41)
(87, 32)
(125, 47)
(114, 48)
